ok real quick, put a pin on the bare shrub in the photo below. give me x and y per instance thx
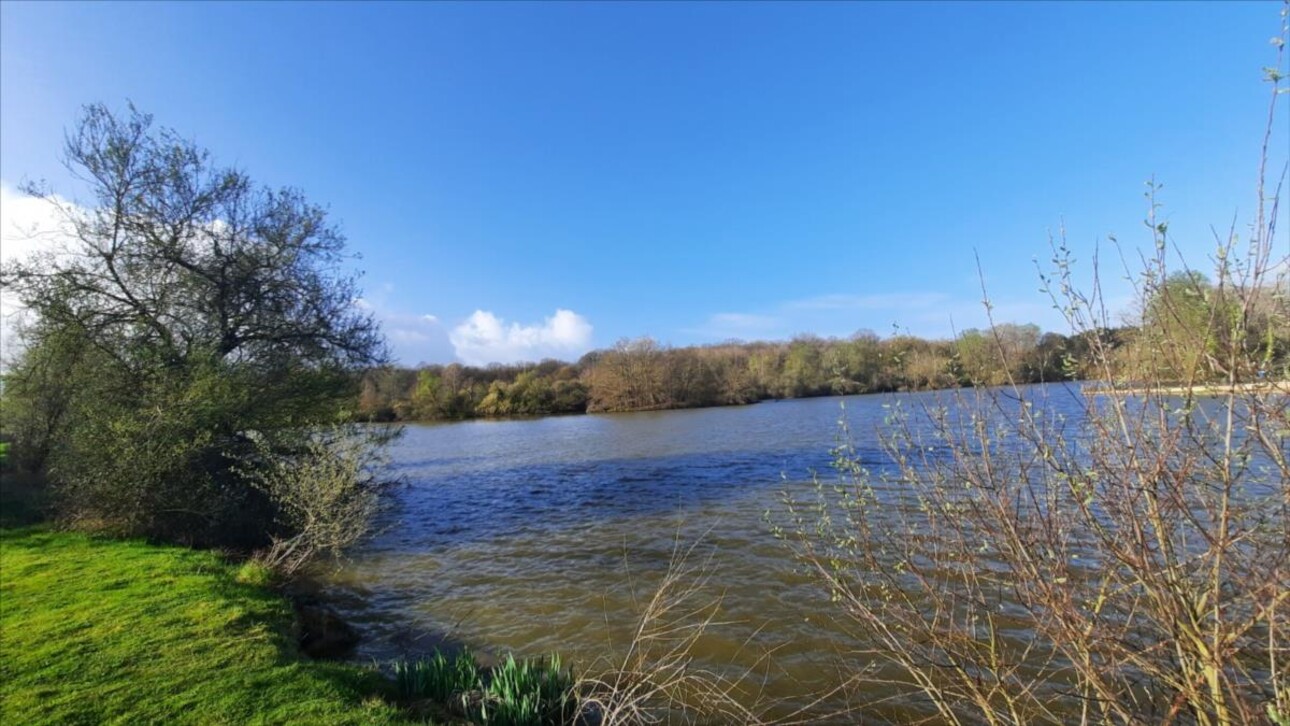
(1117, 553)
(325, 494)
(656, 680)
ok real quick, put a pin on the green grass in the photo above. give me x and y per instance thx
(119, 632)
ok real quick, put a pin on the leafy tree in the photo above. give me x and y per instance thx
(803, 373)
(975, 358)
(863, 356)
(203, 319)
(1051, 359)
(1004, 354)
(1179, 331)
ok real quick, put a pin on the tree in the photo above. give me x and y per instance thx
(1003, 354)
(1178, 338)
(1051, 359)
(802, 374)
(204, 319)
(629, 377)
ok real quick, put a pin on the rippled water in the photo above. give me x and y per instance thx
(532, 536)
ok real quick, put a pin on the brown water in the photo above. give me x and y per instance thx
(533, 536)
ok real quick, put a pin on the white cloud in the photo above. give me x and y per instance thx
(413, 338)
(27, 226)
(484, 338)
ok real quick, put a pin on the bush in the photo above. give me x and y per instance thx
(1117, 554)
(324, 494)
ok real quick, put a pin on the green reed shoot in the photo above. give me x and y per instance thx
(439, 677)
(537, 692)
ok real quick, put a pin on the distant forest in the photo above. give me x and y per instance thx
(643, 375)
(1185, 319)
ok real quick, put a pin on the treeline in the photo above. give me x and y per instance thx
(1184, 322)
(644, 375)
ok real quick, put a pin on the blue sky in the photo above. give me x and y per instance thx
(533, 179)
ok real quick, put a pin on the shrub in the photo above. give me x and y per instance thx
(324, 494)
(1117, 554)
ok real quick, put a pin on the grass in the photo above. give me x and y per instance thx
(100, 631)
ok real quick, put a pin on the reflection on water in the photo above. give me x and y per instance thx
(539, 535)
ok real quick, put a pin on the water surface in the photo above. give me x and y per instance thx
(543, 535)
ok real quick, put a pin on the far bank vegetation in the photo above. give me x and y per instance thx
(1172, 338)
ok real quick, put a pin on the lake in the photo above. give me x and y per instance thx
(544, 535)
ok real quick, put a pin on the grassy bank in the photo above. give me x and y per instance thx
(107, 631)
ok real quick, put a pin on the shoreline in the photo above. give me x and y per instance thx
(1207, 390)
(561, 414)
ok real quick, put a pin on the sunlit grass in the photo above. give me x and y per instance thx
(106, 631)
